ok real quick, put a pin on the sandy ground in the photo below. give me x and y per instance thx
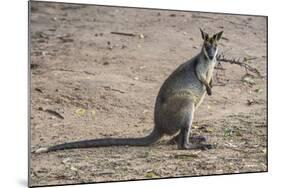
(89, 83)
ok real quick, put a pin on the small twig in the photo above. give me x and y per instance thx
(58, 115)
(113, 89)
(70, 70)
(242, 63)
(120, 91)
(125, 34)
(38, 89)
(219, 68)
(202, 17)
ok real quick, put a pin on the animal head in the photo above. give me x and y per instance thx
(210, 44)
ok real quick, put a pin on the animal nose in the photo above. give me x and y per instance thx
(211, 53)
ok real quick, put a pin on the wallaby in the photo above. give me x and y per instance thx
(182, 92)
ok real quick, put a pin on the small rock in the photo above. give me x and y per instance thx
(106, 63)
(258, 90)
(251, 102)
(142, 67)
(66, 160)
(141, 36)
(248, 79)
(73, 168)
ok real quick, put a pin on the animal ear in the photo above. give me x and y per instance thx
(218, 36)
(205, 36)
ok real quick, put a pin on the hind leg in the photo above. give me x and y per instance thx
(192, 139)
(184, 142)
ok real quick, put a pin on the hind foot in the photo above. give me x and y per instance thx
(194, 146)
(197, 139)
(192, 139)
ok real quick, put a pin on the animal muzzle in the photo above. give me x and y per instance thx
(211, 53)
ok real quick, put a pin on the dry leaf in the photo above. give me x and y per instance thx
(186, 156)
(80, 112)
(151, 174)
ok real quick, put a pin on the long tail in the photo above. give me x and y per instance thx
(104, 142)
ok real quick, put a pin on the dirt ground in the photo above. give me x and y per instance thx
(89, 83)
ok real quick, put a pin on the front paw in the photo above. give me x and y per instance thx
(209, 91)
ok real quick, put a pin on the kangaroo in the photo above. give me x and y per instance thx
(179, 96)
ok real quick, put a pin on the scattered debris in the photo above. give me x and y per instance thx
(123, 46)
(228, 131)
(73, 168)
(52, 29)
(141, 36)
(106, 63)
(112, 89)
(66, 160)
(122, 33)
(206, 128)
(58, 115)
(65, 38)
(98, 34)
(258, 90)
(33, 66)
(251, 102)
(38, 89)
(80, 112)
(106, 172)
(201, 17)
(151, 174)
(142, 67)
(93, 112)
(186, 156)
(247, 78)
(40, 34)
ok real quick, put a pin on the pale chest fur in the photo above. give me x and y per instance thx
(209, 73)
(205, 69)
